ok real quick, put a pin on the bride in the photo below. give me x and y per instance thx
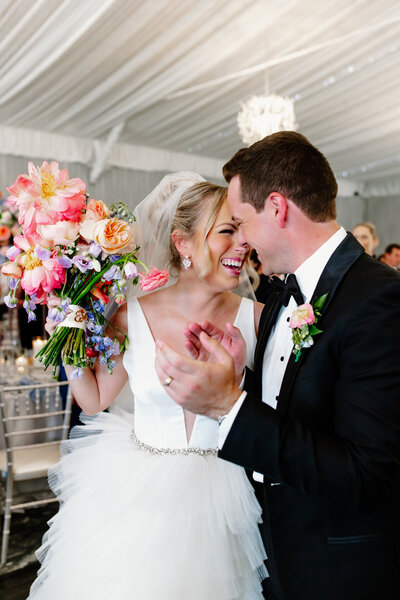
(148, 510)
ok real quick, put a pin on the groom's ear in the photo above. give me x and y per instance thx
(279, 207)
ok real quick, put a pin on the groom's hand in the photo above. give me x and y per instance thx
(203, 387)
(231, 340)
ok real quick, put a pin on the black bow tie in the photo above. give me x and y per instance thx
(285, 289)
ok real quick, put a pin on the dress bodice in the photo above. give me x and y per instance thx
(159, 421)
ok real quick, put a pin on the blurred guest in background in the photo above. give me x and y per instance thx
(391, 256)
(365, 233)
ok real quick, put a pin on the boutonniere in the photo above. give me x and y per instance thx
(303, 324)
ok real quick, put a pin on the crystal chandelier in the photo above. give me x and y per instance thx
(263, 115)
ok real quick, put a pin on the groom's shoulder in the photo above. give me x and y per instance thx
(371, 277)
(375, 270)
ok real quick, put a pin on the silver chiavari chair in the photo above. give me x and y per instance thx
(35, 420)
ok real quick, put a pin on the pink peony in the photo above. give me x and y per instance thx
(41, 277)
(153, 280)
(303, 315)
(63, 233)
(42, 272)
(46, 196)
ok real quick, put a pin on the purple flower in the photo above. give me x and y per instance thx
(13, 252)
(95, 249)
(111, 365)
(65, 304)
(10, 301)
(130, 270)
(31, 316)
(94, 327)
(82, 262)
(56, 315)
(13, 283)
(114, 272)
(114, 257)
(64, 261)
(28, 304)
(42, 253)
(76, 374)
(116, 349)
(98, 306)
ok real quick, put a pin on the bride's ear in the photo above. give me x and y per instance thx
(181, 242)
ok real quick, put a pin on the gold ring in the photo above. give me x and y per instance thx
(168, 380)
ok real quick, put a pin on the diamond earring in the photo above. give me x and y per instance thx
(187, 262)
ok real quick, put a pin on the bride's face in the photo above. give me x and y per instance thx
(226, 254)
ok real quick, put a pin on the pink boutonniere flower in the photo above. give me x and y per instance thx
(153, 280)
(303, 324)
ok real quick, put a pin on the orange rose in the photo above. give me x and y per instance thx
(113, 235)
(96, 210)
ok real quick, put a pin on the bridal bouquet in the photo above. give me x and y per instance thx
(78, 250)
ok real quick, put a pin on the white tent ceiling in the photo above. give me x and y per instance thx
(86, 68)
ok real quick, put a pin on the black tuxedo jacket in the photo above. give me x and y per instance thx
(330, 452)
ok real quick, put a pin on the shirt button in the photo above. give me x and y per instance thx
(282, 358)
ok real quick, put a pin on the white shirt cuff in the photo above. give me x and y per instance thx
(227, 423)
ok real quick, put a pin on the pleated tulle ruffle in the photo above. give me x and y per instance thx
(134, 525)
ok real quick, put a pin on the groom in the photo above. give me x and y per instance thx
(320, 428)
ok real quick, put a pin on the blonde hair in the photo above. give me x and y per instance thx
(199, 200)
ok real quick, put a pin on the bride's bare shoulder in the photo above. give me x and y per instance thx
(156, 298)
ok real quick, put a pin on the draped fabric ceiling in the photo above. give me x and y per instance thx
(155, 84)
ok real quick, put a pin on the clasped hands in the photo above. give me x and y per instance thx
(207, 381)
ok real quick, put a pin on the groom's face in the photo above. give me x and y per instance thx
(256, 229)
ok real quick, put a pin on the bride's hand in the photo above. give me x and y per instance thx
(231, 340)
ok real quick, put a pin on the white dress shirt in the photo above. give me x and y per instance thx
(280, 345)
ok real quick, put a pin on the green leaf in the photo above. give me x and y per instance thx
(318, 304)
(314, 330)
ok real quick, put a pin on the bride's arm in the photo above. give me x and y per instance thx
(96, 390)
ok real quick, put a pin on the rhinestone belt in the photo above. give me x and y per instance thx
(152, 450)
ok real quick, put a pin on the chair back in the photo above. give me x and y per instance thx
(34, 415)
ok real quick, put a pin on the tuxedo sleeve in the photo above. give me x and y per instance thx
(354, 463)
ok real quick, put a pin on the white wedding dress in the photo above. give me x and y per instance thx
(137, 523)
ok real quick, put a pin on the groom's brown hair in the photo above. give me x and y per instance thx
(285, 162)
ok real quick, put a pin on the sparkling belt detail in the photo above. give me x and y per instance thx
(152, 450)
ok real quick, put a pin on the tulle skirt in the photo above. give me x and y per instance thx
(137, 525)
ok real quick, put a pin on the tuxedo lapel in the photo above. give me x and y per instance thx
(336, 268)
(267, 321)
